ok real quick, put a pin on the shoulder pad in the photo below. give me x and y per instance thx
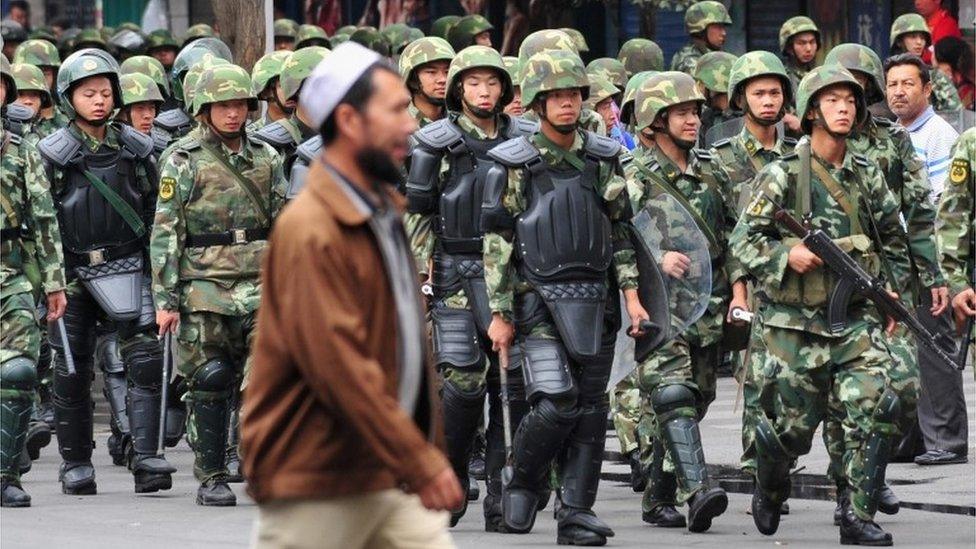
(519, 126)
(860, 159)
(60, 148)
(19, 113)
(602, 147)
(188, 144)
(514, 152)
(274, 134)
(882, 121)
(309, 149)
(789, 141)
(161, 139)
(703, 155)
(438, 135)
(14, 139)
(172, 119)
(722, 143)
(139, 144)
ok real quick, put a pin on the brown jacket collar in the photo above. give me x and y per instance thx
(323, 185)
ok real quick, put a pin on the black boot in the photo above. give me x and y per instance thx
(888, 502)
(581, 527)
(580, 469)
(494, 441)
(38, 436)
(74, 426)
(843, 502)
(216, 493)
(116, 391)
(150, 470)
(12, 495)
(462, 414)
(77, 478)
(660, 493)
(13, 424)
(765, 513)
(856, 531)
(705, 505)
(638, 480)
(773, 483)
(209, 415)
(476, 466)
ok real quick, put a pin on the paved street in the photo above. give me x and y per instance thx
(118, 518)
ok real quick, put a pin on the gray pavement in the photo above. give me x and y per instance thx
(118, 518)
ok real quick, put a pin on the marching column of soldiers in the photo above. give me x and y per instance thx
(557, 210)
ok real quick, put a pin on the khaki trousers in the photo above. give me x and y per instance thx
(386, 519)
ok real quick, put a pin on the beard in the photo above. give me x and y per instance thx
(684, 144)
(478, 112)
(378, 166)
(96, 122)
(436, 101)
(765, 121)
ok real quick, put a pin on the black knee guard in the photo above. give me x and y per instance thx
(455, 339)
(773, 461)
(546, 369)
(584, 458)
(18, 375)
(462, 414)
(539, 438)
(674, 406)
(210, 389)
(878, 447)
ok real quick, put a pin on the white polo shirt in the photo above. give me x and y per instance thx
(933, 139)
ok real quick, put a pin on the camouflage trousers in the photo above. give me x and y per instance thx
(749, 378)
(625, 407)
(800, 375)
(20, 337)
(677, 362)
(20, 331)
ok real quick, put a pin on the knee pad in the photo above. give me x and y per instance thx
(455, 338)
(768, 442)
(19, 374)
(887, 412)
(667, 400)
(452, 391)
(545, 366)
(215, 378)
(107, 354)
(145, 362)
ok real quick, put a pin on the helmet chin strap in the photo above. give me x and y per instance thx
(478, 112)
(99, 122)
(763, 121)
(682, 144)
(436, 101)
(821, 122)
(223, 134)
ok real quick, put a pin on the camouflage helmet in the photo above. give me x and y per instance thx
(298, 67)
(641, 54)
(794, 26)
(663, 90)
(338, 39)
(545, 40)
(512, 66)
(609, 68)
(600, 90)
(193, 76)
(88, 38)
(754, 64)
(630, 92)
(442, 25)
(462, 34)
(267, 69)
(82, 64)
(713, 69)
(201, 49)
(30, 78)
(372, 39)
(12, 31)
(398, 35)
(40, 53)
(149, 66)
(858, 57)
(908, 23)
(702, 14)
(823, 77)
(160, 38)
(423, 51)
(311, 35)
(553, 70)
(223, 82)
(346, 29)
(473, 57)
(139, 88)
(44, 33)
(106, 32)
(414, 34)
(128, 41)
(8, 81)
(285, 28)
(198, 31)
(578, 39)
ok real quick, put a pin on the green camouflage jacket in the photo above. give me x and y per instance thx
(43, 127)
(500, 274)
(742, 157)
(945, 97)
(27, 205)
(197, 195)
(420, 117)
(957, 223)
(686, 58)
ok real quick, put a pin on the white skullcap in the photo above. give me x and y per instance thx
(332, 78)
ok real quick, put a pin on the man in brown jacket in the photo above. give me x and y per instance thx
(339, 420)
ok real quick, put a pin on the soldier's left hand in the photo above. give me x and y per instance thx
(940, 300)
(57, 302)
(891, 323)
(636, 312)
(737, 303)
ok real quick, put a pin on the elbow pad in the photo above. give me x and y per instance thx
(494, 215)
(421, 181)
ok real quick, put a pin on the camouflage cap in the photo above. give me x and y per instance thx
(128, 41)
(907, 23)
(298, 67)
(754, 64)
(193, 76)
(462, 34)
(201, 49)
(398, 35)
(858, 57)
(442, 25)
(609, 68)
(139, 88)
(40, 53)
(512, 66)
(600, 90)
(794, 26)
(130, 26)
(89, 38)
(224, 82)
(44, 33)
(8, 81)
(822, 77)
(545, 40)
(149, 66)
(423, 51)
(702, 14)
(161, 38)
(474, 57)
(713, 70)
(285, 28)
(578, 39)
(30, 78)
(372, 39)
(82, 64)
(663, 90)
(641, 54)
(553, 70)
(630, 92)
(198, 31)
(12, 31)
(267, 68)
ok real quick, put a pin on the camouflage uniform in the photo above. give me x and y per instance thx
(414, 56)
(149, 66)
(641, 54)
(285, 30)
(790, 28)
(712, 74)
(697, 19)
(804, 360)
(205, 251)
(30, 78)
(27, 215)
(956, 220)
(945, 97)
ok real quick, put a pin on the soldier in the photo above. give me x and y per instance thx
(610, 69)
(149, 66)
(799, 42)
(712, 78)
(32, 93)
(89, 38)
(639, 55)
(371, 38)
(705, 23)
(470, 30)
(444, 192)
(264, 85)
(560, 291)
(441, 27)
(602, 100)
(219, 192)
(956, 234)
(105, 204)
(13, 34)
(127, 43)
(28, 214)
(424, 66)
(910, 34)
(43, 55)
(140, 101)
(888, 146)
(285, 32)
(311, 35)
(161, 46)
(677, 381)
(514, 107)
(805, 361)
(176, 122)
(196, 32)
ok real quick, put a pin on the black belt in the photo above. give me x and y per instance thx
(455, 247)
(97, 257)
(11, 233)
(228, 238)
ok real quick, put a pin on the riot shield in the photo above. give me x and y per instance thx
(661, 227)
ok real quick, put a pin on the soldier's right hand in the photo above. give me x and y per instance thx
(675, 264)
(802, 260)
(442, 493)
(964, 306)
(57, 302)
(168, 321)
(501, 332)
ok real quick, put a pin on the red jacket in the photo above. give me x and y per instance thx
(941, 24)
